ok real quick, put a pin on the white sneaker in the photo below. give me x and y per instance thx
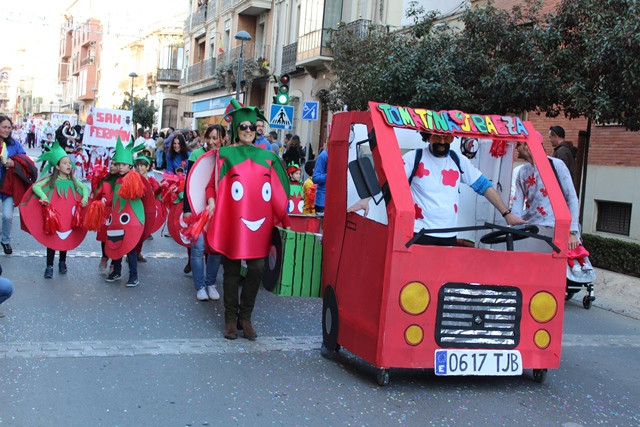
(576, 269)
(202, 295)
(213, 293)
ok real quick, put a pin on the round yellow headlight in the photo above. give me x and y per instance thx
(414, 298)
(413, 335)
(542, 338)
(543, 307)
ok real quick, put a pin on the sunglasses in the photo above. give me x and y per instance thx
(252, 128)
(447, 139)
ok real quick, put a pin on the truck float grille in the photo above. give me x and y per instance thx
(478, 316)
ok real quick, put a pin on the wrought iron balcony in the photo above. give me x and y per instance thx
(357, 29)
(289, 55)
(168, 75)
(200, 71)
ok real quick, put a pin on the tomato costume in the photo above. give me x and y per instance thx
(251, 198)
(58, 202)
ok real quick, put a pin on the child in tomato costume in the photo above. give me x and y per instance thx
(61, 197)
(125, 224)
(248, 196)
(296, 200)
(102, 184)
(151, 188)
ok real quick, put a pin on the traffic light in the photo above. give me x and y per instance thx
(282, 93)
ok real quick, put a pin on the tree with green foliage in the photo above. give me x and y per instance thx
(595, 48)
(144, 114)
(581, 61)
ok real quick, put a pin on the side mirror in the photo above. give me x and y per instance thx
(364, 177)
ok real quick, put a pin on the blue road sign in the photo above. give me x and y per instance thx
(281, 117)
(310, 110)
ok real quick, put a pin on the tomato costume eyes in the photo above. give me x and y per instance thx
(124, 219)
(108, 223)
(237, 191)
(266, 191)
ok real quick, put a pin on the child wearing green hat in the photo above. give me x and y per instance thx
(125, 224)
(53, 193)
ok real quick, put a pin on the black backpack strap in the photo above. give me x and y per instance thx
(416, 163)
(456, 160)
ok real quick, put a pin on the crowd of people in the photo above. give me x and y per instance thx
(252, 177)
(120, 203)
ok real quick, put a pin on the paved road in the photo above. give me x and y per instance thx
(75, 350)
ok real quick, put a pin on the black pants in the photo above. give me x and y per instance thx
(51, 254)
(234, 309)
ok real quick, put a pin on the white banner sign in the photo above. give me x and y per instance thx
(104, 126)
(58, 119)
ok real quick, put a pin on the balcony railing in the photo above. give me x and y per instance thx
(313, 45)
(168, 75)
(250, 51)
(212, 10)
(358, 29)
(289, 55)
(198, 17)
(200, 71)
(87, 61)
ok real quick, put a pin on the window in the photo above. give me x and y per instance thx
(613, 217)
(171, 57)
(169, 113)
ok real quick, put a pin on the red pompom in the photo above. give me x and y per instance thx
(96, 215)
(97, 174)
(51, 219)
(76, 221)
(132, 186)
(498, 148)
(196, 224)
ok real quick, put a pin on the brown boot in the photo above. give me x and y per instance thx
(230, 331)
(247, 330)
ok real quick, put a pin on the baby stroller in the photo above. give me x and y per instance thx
(580, 273)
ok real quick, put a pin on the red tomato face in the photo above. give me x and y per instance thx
(243, 221)
(65, 240)
(124, 229)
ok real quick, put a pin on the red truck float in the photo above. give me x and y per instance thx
(490, 307)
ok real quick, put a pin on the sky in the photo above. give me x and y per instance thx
(34, 27)
(443, 6)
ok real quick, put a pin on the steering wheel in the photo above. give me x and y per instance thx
(510, 235)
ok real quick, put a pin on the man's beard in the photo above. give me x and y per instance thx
(439, 149)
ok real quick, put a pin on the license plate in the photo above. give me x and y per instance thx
(478, 362)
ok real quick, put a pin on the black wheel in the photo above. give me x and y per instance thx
(273, 263)
(329, 322)
(382, 376)
(502, 236)
(539, 375)
(586, 302)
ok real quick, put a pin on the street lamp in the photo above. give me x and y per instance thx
(133, 75)
(95, 90)
(242, 36)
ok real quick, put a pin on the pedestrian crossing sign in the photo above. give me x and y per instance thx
(281, 117)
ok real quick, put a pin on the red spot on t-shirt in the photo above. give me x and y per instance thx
(450, 177)
(541, 210)
(544, 192)
(418, 211)
(455, 207)
(530, 181)
(421, 171)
